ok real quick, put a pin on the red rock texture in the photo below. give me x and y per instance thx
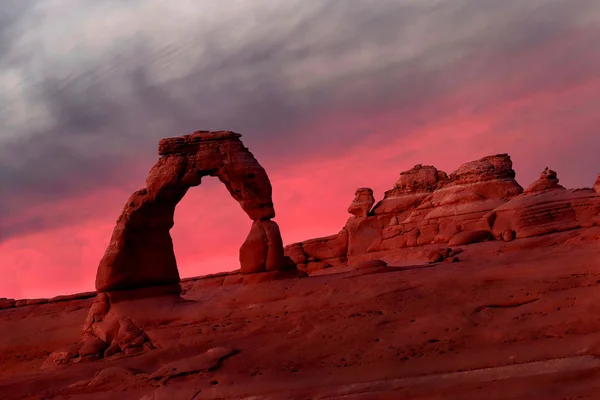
(541, 212)
(468, 237)
(362, 203)
(548, 180)
(480, 200)
(511, 320)
(140, 252)
(411, 188)
(597, 185)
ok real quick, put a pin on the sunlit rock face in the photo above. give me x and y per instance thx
(140, 252)
(479, 201)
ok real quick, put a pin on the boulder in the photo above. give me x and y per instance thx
(61, 357)
(469, 237)
(508, 235)
(438, 255)
(362, 203)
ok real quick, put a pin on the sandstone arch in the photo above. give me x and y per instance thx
(140, 252)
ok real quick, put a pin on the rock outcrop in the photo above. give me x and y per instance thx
(140, 252)
(548, 180)
(412, 187)
(597, 185)
(545, 207)
(479, 201)
(362, 203)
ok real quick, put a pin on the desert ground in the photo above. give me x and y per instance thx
(516, 320)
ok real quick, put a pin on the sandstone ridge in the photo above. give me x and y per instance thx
(479, 201)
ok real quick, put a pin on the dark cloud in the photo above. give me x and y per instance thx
(105, 112)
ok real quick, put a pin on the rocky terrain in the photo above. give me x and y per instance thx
(454, 286)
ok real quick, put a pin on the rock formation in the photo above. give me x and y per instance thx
(362, 203)
(140, 252)
(548, 180)
(597, 185)
(479, 201)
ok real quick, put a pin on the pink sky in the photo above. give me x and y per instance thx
(509, 84)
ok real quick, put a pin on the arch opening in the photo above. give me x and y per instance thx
(208, 230)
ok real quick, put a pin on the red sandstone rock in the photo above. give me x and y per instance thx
(70, 297)
(295, 252)
(209, 282)
(233, 279)
(411, 188)
(454, 252)
(597, 185)
(547, 181)
(273, 276)
(369, 264)
(327, 247)
(362, 203)
(7, 303)
(471, 192)
(112, 375)
(542, 212)
(469, 237)
(508, 235)
(130, 339)
(263, 249)
(204, 362)
(92, 348)
(438, 255)
(365, 234)
(61, 357)
(140, 252)
(33, 302)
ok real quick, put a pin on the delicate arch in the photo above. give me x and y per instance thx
(140, 252)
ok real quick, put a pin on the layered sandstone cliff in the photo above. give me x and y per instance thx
(481, 200)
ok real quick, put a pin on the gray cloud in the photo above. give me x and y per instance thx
(89, 88)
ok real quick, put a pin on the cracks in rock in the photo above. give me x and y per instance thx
(513, 304)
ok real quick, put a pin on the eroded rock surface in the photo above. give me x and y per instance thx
(362, 203)
(140, 252)
(548, 180)
(479, 201)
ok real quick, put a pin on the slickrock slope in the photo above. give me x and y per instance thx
(460, 286)
(516, 320)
